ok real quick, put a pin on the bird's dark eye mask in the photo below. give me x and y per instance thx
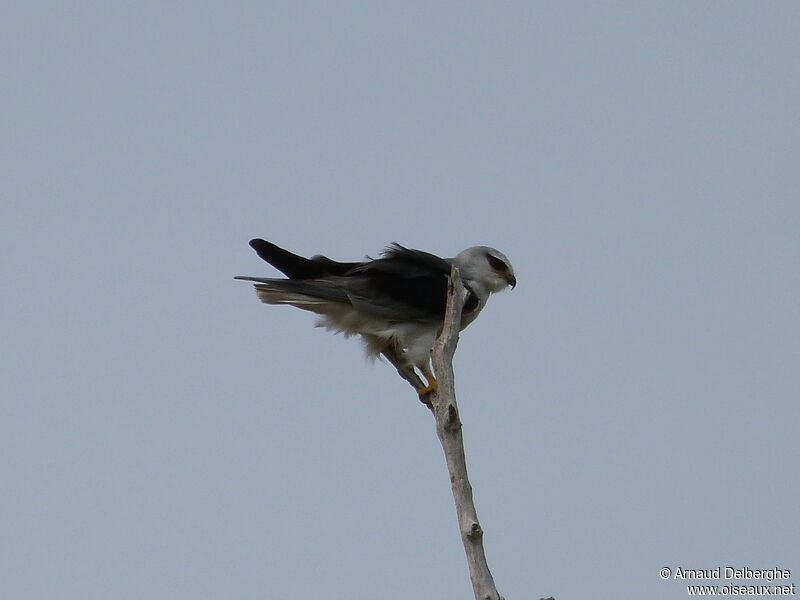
(497, 264)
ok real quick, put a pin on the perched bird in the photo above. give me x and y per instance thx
(396, 303)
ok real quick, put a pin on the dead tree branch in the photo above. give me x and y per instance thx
(442, 402)
(448, 427)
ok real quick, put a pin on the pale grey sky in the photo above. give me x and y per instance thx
(633, 404)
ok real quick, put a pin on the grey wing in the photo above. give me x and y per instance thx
(322, 295)
(367, 298)
(303, 293)
(402, 285)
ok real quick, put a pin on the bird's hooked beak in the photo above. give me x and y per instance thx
(512, 281)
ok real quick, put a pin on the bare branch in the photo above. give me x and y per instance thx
(448, 427)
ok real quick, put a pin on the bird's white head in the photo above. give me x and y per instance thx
(487, 267)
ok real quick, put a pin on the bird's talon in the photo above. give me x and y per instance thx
(428, 389)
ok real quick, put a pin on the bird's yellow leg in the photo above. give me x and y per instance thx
(432, 386)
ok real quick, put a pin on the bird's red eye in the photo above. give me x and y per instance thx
(497, 264)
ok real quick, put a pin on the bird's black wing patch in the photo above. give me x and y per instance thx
(402, 276)
(411, 277)
(298, 267)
